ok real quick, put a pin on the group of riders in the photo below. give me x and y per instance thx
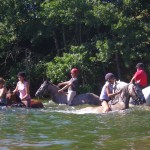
(140, 77)
(22, 87)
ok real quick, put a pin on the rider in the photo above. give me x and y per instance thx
(23, 89)
(140, 76)
(71, 85)
(3, 92)
(107, 91)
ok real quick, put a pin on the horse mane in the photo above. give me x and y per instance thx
(123, 96)
(49, 82)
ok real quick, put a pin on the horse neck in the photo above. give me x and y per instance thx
(56, 96)
(53, 89)
(125, 95)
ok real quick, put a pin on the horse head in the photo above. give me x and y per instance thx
(43, 89)
(13, 99)
(46, 88)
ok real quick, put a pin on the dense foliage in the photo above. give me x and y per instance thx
(46, 38)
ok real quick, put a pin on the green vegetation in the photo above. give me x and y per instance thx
(46, 38)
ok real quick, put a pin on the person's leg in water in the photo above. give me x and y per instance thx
(105, 106)
(70, 96)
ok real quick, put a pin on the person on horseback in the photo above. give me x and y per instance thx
(23, 88)
(107, 91)
(140, 76)
(3, 92)
(71, 85)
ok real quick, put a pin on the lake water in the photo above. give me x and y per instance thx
(60, 127)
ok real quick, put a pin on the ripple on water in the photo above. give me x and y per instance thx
(61, 127)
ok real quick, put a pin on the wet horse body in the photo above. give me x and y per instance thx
(61, 98)
(118, 103)
(13, 100)
(144, 92)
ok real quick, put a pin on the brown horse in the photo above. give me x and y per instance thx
(13, 100)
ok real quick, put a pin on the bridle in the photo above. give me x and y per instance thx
(44, 87)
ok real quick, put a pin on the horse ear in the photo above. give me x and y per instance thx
(48, 79)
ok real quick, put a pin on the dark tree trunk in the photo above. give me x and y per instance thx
(64, 37)
(117, 64)
(56, 43)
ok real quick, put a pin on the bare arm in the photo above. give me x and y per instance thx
(65, 87)
(132, 80)
(15, 90)
(111, 94)
(63, 83)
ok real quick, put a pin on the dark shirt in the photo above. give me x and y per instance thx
(74, 84)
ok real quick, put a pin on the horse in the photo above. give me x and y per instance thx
(144, 93)
(49, 89)
(13, 100)
(88, 98)
(120, 101)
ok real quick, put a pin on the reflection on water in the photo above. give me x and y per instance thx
(60, 127)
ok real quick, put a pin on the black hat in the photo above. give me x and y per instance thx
(22, 74)
(140, 65)
(109, 76)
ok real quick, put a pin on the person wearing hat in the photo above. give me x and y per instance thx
(23, 88)
(107, 91)
(3, 92)
(140, 76)
(71, 85)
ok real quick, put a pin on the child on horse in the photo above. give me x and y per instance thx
(23, 89)
(107, 91)
(71, 85)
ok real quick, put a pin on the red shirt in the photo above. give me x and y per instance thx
(141, 76)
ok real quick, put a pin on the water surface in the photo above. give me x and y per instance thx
(60, 127)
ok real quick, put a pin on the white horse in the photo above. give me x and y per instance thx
(145, 92)
(120, 101)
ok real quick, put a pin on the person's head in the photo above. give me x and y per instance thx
(74, 72)
(21, 76)
(110, 77)
(2, 81)
(140, 66)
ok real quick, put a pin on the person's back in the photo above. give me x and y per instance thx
(140, 77)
